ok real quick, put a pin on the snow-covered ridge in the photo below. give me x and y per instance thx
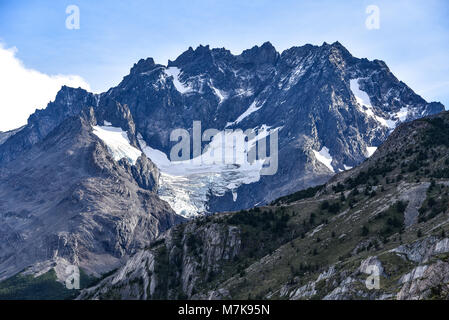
(324, 157)
(117, 142)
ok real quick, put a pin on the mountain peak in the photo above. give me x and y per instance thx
(143, 65)
(265, 54)
(201, 52)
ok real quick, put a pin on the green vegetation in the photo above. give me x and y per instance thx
(438, 133)
(437, 202)
(389, 221)
(302, 194)
(44, 287)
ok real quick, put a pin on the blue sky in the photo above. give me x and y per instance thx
(413, 37)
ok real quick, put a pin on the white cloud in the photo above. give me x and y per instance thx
(24, 90)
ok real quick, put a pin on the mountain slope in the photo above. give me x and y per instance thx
(88, 182)
(66, 200)
(390, 214)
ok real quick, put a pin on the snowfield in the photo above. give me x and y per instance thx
(251, 109)
(186, 185)
(117, 142)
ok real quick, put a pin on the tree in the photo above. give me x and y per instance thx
(401, 206)
(334, 207)
(324, 205)
(365, 231)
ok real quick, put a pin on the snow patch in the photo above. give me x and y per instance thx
(244, 92)
(118, 143)
(252, 108)
(402, 114)
(222, 96)
(364, 101)
(347, 167)
(324, 157)
(361, 96)
(370, 151)
(174, 72)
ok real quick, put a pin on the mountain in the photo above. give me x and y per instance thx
(66, 198)
(5, 135)
(90, 179)
(389, 214)
(329, 109)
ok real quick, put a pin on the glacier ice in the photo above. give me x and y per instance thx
(186, 185)
(117, 142)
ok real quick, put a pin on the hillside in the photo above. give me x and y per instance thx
(320, 243)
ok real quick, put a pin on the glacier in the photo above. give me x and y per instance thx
(187, 185)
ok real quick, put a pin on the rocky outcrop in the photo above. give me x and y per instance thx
(425, 282)
(426, 276)
(176, 266)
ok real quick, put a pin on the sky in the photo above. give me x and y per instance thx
(38, 53)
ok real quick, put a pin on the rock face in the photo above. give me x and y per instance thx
(5, 135)
(63, 197)
(183, 258)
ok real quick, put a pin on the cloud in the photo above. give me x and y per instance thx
(24, 90)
